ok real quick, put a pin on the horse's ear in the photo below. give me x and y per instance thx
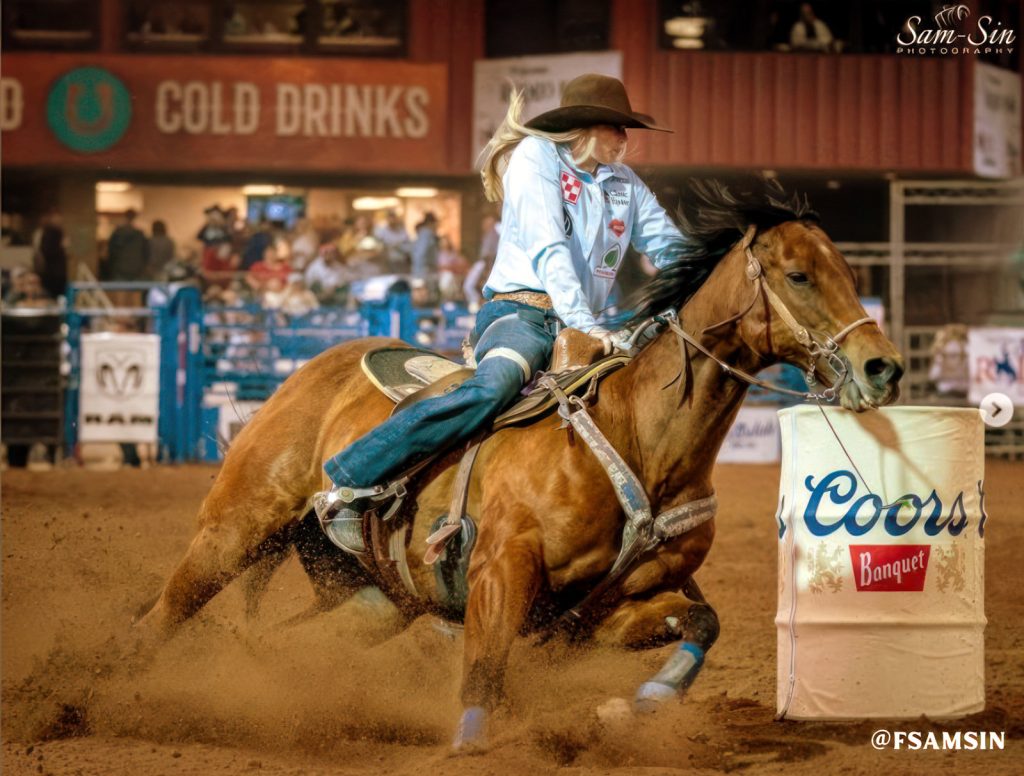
(748, 237)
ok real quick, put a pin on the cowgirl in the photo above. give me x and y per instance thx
(571, 209)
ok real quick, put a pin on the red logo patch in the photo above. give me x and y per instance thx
(571, 188)
(889, 567)
(617, 227)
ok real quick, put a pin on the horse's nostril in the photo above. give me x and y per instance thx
(882, 370)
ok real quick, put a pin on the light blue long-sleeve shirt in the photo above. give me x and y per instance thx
(565, 232)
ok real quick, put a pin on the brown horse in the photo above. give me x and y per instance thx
(549, 523)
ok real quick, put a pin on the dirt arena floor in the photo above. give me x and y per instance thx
(83, 550)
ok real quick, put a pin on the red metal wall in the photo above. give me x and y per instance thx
(452, 32)
(835, 112)
(812, 111)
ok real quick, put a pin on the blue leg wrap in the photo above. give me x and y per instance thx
(675, 676)
(471, 728)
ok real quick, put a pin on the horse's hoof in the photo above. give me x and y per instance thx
(471, 734)
(652, 695)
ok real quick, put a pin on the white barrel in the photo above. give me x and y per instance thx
(881, 563)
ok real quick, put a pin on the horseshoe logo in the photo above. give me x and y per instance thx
(88, 109)
(89, 113)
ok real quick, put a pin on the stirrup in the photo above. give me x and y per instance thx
(340, 514)
(340, 511)
(346, 533)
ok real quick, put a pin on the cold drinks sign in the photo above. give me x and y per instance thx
(162, 113)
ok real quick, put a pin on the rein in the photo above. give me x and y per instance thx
(826, 347)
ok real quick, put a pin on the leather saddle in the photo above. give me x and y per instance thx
(407, 375)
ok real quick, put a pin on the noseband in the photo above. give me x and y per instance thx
(818, 347)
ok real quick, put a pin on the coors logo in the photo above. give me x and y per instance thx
(889, 567)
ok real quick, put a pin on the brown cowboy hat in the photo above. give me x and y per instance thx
(593, 99)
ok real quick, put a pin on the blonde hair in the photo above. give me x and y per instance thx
(510, 133)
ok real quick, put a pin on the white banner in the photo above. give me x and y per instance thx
(874, 307)
(541, 78)
(753, 438)
(996, 363)
(233, 417)
(997, 121)
(120, 388)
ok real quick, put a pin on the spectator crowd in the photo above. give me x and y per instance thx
(238, 262)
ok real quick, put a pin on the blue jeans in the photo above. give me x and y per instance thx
(439, 423)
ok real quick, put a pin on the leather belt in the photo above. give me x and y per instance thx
(532, 298)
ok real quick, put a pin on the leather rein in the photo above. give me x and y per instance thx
(818, 347)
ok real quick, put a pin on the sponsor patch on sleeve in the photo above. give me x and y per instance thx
(571, 188)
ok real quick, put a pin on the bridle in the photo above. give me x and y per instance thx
(819, 346)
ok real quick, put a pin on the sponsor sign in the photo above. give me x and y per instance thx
(997, 121)
(120, 388)
(540, 78)
(995, 358)
(160, 113)
(753, 438)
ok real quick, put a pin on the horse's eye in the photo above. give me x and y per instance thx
(797, 278)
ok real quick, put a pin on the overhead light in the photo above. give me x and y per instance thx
(769, 174)
(375, 203)
(833, 185)
(113, 187)
(261, 190)
(690, 29)
(416, 191)
(686, 26)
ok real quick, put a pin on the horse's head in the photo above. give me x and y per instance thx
(809, 314)
(783, 289)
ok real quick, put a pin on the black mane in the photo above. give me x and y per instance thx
(713, 217)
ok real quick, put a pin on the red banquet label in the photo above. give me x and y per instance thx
(889, 567)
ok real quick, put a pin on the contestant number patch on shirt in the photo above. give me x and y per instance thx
(609, 265)
(571, 188)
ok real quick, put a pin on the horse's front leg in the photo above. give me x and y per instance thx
(684, 617)
(504, 577)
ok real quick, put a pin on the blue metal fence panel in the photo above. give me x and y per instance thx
(245, 351)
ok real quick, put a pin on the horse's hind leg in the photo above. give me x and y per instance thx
(335, 575)
(255, 581)
(226, 545)
(684, 617)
